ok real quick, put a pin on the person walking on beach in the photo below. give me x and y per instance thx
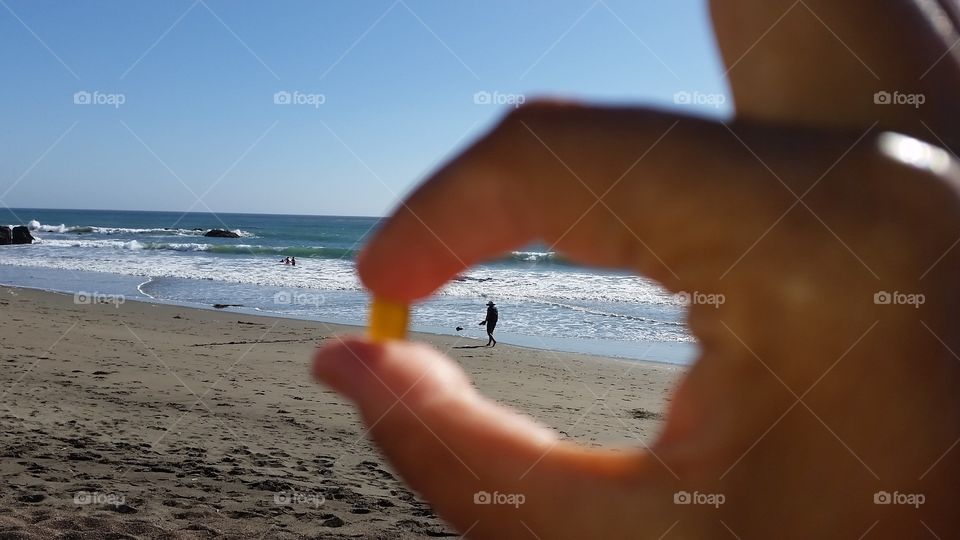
(491, 321)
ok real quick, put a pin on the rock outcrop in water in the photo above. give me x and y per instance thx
(6, 236)
(21, 235)
(220, 233)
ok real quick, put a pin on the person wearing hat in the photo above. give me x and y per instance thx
(491, 322)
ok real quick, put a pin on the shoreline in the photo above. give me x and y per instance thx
(204, 420)
(353, 328)
(668, 353)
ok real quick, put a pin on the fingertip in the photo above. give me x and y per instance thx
(344, 363)
(407, 259)
(366, 262)
(369, 372)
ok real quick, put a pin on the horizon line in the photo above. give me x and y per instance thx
(12, 209)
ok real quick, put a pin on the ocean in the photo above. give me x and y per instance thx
(544, 301)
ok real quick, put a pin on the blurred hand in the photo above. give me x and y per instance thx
(815, 394)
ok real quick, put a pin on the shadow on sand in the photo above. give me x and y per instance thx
(472, 347)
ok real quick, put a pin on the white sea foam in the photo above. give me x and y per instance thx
(533, 256)
(35, 225)
(133, 257)
(90, 244)
(130, 258)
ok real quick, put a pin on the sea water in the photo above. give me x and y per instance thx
(544, 301)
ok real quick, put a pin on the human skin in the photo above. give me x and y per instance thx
(808, 397)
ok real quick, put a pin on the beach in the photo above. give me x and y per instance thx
(160, 421)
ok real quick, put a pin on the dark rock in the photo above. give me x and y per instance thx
(332, 521)
(220, 233)
(224, 306)
(6, 236)
(643, 414)
(21, 235)
(123, 508)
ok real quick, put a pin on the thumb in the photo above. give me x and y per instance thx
(486, 469)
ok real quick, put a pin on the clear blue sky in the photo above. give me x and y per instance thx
(398, 78)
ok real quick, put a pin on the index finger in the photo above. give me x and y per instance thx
(623, 188)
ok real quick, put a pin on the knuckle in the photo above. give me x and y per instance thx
(897, 216)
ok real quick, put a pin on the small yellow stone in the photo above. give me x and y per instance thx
(388, 320)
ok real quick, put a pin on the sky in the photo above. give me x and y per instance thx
(318, 107)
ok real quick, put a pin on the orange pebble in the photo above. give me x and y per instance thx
(388, 320)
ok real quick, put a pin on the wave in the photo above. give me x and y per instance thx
(597, 296)
(132, 245)
(236, 249)
(35, 225)
(537, 258)
(547, 258)
(601, 313)
(534, 256)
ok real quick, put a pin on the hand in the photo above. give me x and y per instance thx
(810, 394)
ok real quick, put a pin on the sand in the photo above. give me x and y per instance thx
(156, 421)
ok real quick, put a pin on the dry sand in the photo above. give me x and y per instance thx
(154, 421)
